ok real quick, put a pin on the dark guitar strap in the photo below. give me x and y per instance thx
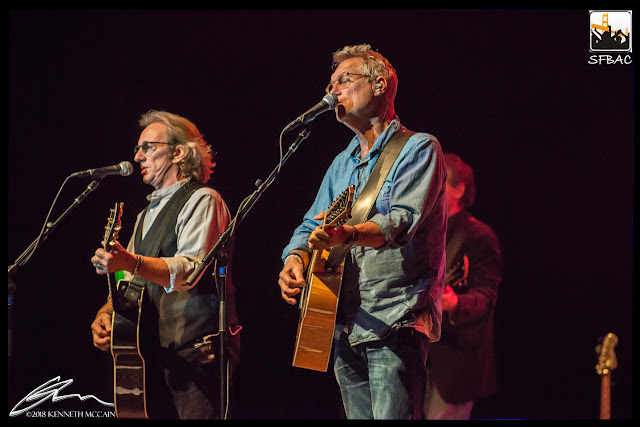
(165, 223)
(367, 197)
(454, 243)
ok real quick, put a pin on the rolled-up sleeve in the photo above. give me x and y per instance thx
(411, 192)
(202, 219)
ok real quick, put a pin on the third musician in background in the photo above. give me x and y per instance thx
(393, 276)
(461, 366)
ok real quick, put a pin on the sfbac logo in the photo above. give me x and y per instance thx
(610, 31)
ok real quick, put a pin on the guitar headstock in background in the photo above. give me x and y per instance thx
(607, 361)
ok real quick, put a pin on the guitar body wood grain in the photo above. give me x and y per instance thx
(318, 308)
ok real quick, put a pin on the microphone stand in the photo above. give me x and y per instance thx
(218, 252)
(26, 255)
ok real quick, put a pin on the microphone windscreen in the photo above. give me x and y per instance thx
(126, 168)
(331, 99)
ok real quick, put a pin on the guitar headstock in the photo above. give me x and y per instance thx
(114, 224)
(607, 361)
(340, 210)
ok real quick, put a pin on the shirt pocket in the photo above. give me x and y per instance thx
(383, 204)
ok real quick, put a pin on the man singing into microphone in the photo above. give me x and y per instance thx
(171, 236)
(393, 276)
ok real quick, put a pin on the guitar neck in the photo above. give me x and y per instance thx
(607, 362)
(605, 397)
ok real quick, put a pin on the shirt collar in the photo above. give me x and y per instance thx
(160, 194)
(380, 142)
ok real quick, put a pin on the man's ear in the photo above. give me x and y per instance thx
(179, 153)
(379, 85)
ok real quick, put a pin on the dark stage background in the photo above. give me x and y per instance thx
(550, 137)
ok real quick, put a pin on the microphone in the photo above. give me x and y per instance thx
(123, 168)
(329, 102)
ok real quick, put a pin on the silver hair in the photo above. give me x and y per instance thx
(373, 64)
(198, 163)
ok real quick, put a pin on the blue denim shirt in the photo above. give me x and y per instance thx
(403, 279)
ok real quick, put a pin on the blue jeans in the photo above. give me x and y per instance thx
(382, 379)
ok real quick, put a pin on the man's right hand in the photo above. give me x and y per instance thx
(291, 279)
(101, 331)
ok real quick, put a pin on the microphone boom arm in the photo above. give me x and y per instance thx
(217, 251)
(49, 227)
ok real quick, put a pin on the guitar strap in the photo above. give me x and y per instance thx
(367, 197)
(164, 223)
(454, 242)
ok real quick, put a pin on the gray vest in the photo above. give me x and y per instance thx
(184, 316)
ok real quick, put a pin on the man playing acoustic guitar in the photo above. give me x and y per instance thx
(171, 236)
(393, 274)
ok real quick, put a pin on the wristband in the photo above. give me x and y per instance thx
(138, 264)
(293, 254)
(353, 240)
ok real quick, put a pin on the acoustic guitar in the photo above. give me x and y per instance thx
(319, 297)
(128, 363)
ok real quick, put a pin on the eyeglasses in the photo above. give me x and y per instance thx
(146, 147)
(344, 80)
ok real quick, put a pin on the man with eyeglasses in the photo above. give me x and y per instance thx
(171, 236)
(393, 275)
